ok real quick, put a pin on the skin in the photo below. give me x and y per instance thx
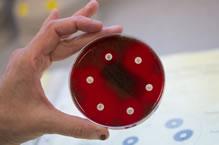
(25, 111)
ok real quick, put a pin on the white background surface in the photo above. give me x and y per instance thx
(191, 96)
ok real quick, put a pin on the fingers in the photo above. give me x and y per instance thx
(70, 25)
(89, 10)
(69, 47)
(49, 36)
(64, 124)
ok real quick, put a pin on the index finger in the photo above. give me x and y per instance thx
(49, 36)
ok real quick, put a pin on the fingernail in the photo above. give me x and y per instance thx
(103, 137)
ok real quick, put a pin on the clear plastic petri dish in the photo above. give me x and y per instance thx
(117, 81)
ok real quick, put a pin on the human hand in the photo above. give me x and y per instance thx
(25, 111)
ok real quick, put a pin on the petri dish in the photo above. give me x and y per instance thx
(117, 81)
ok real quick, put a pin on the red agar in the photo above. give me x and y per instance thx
(117, 81)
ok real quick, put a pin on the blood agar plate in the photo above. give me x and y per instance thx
(117, 81)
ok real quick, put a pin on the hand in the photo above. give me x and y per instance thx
(25, 112)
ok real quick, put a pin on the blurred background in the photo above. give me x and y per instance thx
(169, 26)
(181, 31)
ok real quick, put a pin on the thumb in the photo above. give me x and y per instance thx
(64, 124)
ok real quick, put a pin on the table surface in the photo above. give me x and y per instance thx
(188, 113)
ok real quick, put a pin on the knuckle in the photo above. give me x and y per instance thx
(51, 24)
(15, 53)
(78, 18)
(80, 133)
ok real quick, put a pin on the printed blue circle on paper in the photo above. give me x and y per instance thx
(174, 123)
(130, 140)
(183, 135)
